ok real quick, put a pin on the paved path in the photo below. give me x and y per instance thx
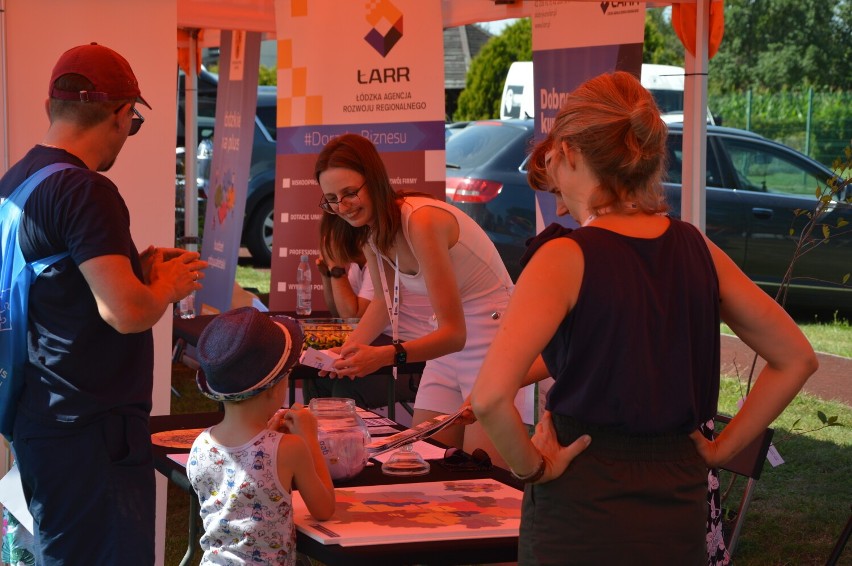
(832, 381)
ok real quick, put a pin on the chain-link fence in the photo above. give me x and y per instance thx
(818, 124)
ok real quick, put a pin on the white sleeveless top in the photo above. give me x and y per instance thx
(476, 263)
(246, 512)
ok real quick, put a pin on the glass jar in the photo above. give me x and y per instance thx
(342, 435)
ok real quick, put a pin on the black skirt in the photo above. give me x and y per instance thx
(624, 500)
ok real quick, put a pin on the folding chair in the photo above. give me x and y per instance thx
(841, 542)
(749, 464)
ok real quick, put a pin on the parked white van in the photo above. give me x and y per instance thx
(518, 98)
(665, 82)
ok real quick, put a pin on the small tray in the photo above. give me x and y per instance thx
(325, 333)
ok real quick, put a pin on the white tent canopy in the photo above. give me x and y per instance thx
(259, 15)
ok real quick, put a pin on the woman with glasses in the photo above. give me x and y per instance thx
(416, 246)
(624, 313)
(348, 291)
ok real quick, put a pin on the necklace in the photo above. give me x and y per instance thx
(49, 145)
(627, 205)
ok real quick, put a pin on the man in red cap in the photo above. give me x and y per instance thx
(80, 435)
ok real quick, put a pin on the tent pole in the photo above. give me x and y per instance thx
(190, 131)
(693, 200)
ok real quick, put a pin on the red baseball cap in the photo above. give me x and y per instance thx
(107, 70)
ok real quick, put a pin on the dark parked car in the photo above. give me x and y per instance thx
(258, 221)
(451, 128)
(754, 188)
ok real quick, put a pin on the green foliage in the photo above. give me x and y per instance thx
(483, 90)
(783, 116)
(833, 336)
(662, 46)
(250, 277)
(784, 44)
(267, 75)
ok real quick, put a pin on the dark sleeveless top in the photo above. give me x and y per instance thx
(640, 350)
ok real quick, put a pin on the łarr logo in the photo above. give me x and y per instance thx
(607, 5)
(386, 22)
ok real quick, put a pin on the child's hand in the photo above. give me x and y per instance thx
(301, 421)
(276, 421)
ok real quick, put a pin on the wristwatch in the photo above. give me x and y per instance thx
(401, 355)
(335, 272)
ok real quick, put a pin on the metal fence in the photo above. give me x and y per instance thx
(819, 124)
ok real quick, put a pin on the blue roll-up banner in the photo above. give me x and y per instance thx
(236, 102)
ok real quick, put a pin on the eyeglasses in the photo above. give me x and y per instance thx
(135, 123)
(350, 199)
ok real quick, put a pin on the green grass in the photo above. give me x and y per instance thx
(834, 337)
(250, 277)
(800, 507)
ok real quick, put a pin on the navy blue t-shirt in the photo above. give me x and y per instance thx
(639, 352)
(79, 367)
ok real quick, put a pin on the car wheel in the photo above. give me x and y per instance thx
(258, 238)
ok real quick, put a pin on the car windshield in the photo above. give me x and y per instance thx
(668, 100)
(476, 144)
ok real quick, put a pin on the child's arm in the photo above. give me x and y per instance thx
(299, 454)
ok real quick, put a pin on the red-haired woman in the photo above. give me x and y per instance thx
(624, 313)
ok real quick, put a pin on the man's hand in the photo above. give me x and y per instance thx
(181, 269)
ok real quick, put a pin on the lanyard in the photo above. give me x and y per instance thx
(392, 306)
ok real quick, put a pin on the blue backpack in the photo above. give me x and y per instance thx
(16, 276)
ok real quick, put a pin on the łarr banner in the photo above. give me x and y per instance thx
(373, 68)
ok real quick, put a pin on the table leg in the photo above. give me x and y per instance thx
(194, 511)
(177, 352)
(391, 398)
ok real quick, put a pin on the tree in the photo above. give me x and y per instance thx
(267, 75)
(662, 46)
(782, 45)
(483, 90)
